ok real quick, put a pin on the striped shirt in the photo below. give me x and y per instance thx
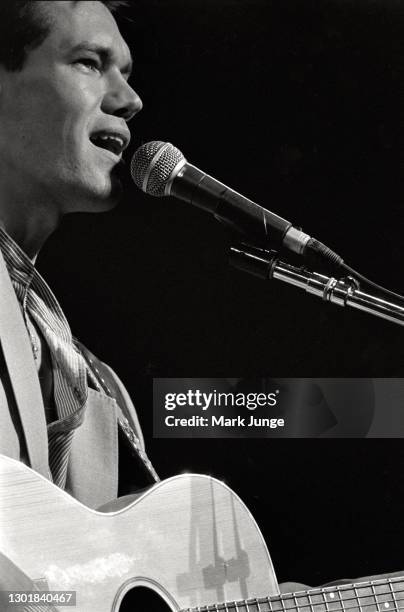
(39, 306)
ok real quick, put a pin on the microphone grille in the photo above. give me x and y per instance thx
(152, 165)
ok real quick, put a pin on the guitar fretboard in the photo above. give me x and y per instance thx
(385, 595)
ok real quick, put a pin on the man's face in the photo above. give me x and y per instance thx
(63, 116)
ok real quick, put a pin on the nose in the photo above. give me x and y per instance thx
(121, 99)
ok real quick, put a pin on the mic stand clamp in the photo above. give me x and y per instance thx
(343, 292)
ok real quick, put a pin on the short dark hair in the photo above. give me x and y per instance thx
(24, 26)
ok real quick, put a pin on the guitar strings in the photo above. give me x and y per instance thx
(335, 608)
(237, 605)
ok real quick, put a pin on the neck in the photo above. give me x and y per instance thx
(28, 222)
(381, 595)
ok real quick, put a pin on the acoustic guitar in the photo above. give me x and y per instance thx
(189, 541)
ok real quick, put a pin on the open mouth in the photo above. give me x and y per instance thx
(110, 141)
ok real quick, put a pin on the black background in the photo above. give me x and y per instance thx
(296, 105)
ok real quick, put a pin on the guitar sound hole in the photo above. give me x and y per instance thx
(141, 599)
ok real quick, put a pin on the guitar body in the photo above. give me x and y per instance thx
(189, 538)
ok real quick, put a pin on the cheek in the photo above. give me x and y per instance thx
(58, 111)
(77, 100)
(45, 127)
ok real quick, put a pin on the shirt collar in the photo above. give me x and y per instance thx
(20, 267)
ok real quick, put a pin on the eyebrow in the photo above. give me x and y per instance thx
(105, 54)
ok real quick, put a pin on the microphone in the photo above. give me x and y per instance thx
(160, 169)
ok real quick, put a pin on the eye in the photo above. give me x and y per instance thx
(89, 64)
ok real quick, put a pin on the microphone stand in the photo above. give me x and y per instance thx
(344, 292)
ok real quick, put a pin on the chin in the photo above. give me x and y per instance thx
(105, 203)
(101, 196)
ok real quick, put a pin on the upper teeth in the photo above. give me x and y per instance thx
(118, 139)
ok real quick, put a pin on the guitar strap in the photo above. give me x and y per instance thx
(22, 373)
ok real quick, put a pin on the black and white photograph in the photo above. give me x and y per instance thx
(201, 305)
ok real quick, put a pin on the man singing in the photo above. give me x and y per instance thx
(65, 103)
